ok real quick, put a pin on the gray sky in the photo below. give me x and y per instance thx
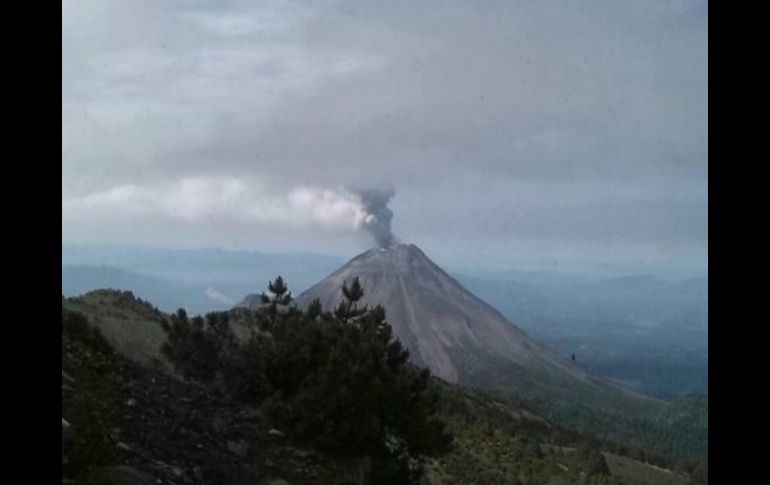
(516, 134)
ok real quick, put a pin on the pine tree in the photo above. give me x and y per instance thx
(314, 310)
(340, 380)
(348, 310)
(275, 303)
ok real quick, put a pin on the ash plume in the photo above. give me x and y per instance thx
(377, 222)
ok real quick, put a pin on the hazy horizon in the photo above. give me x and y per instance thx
(584, 271)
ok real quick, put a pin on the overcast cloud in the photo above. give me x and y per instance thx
(514, 132)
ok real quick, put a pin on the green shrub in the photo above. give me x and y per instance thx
(338, 380)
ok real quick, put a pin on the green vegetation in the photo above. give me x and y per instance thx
(129, 324)
(338, 381)
(335, 383)
(669, 437)
(130, 420)
(497, 441)
(668, 433)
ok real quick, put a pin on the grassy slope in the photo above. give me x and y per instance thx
(677, 431)
(502, 442)
(636, 473)
(132, 327)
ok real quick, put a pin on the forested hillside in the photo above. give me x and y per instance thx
(323, 396)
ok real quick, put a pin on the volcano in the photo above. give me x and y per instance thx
(459, 337)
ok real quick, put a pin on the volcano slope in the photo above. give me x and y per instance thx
(464, 340)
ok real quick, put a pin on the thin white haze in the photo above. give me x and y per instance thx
(241, 201)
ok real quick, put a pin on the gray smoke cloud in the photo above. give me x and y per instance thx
(379, 216)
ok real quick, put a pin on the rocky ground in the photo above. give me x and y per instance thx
(122, 423)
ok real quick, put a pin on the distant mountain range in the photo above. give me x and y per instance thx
(534, 299)
(199, 280)
(641, 300)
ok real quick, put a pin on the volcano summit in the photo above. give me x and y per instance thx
(431, 313)
(458, 336)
